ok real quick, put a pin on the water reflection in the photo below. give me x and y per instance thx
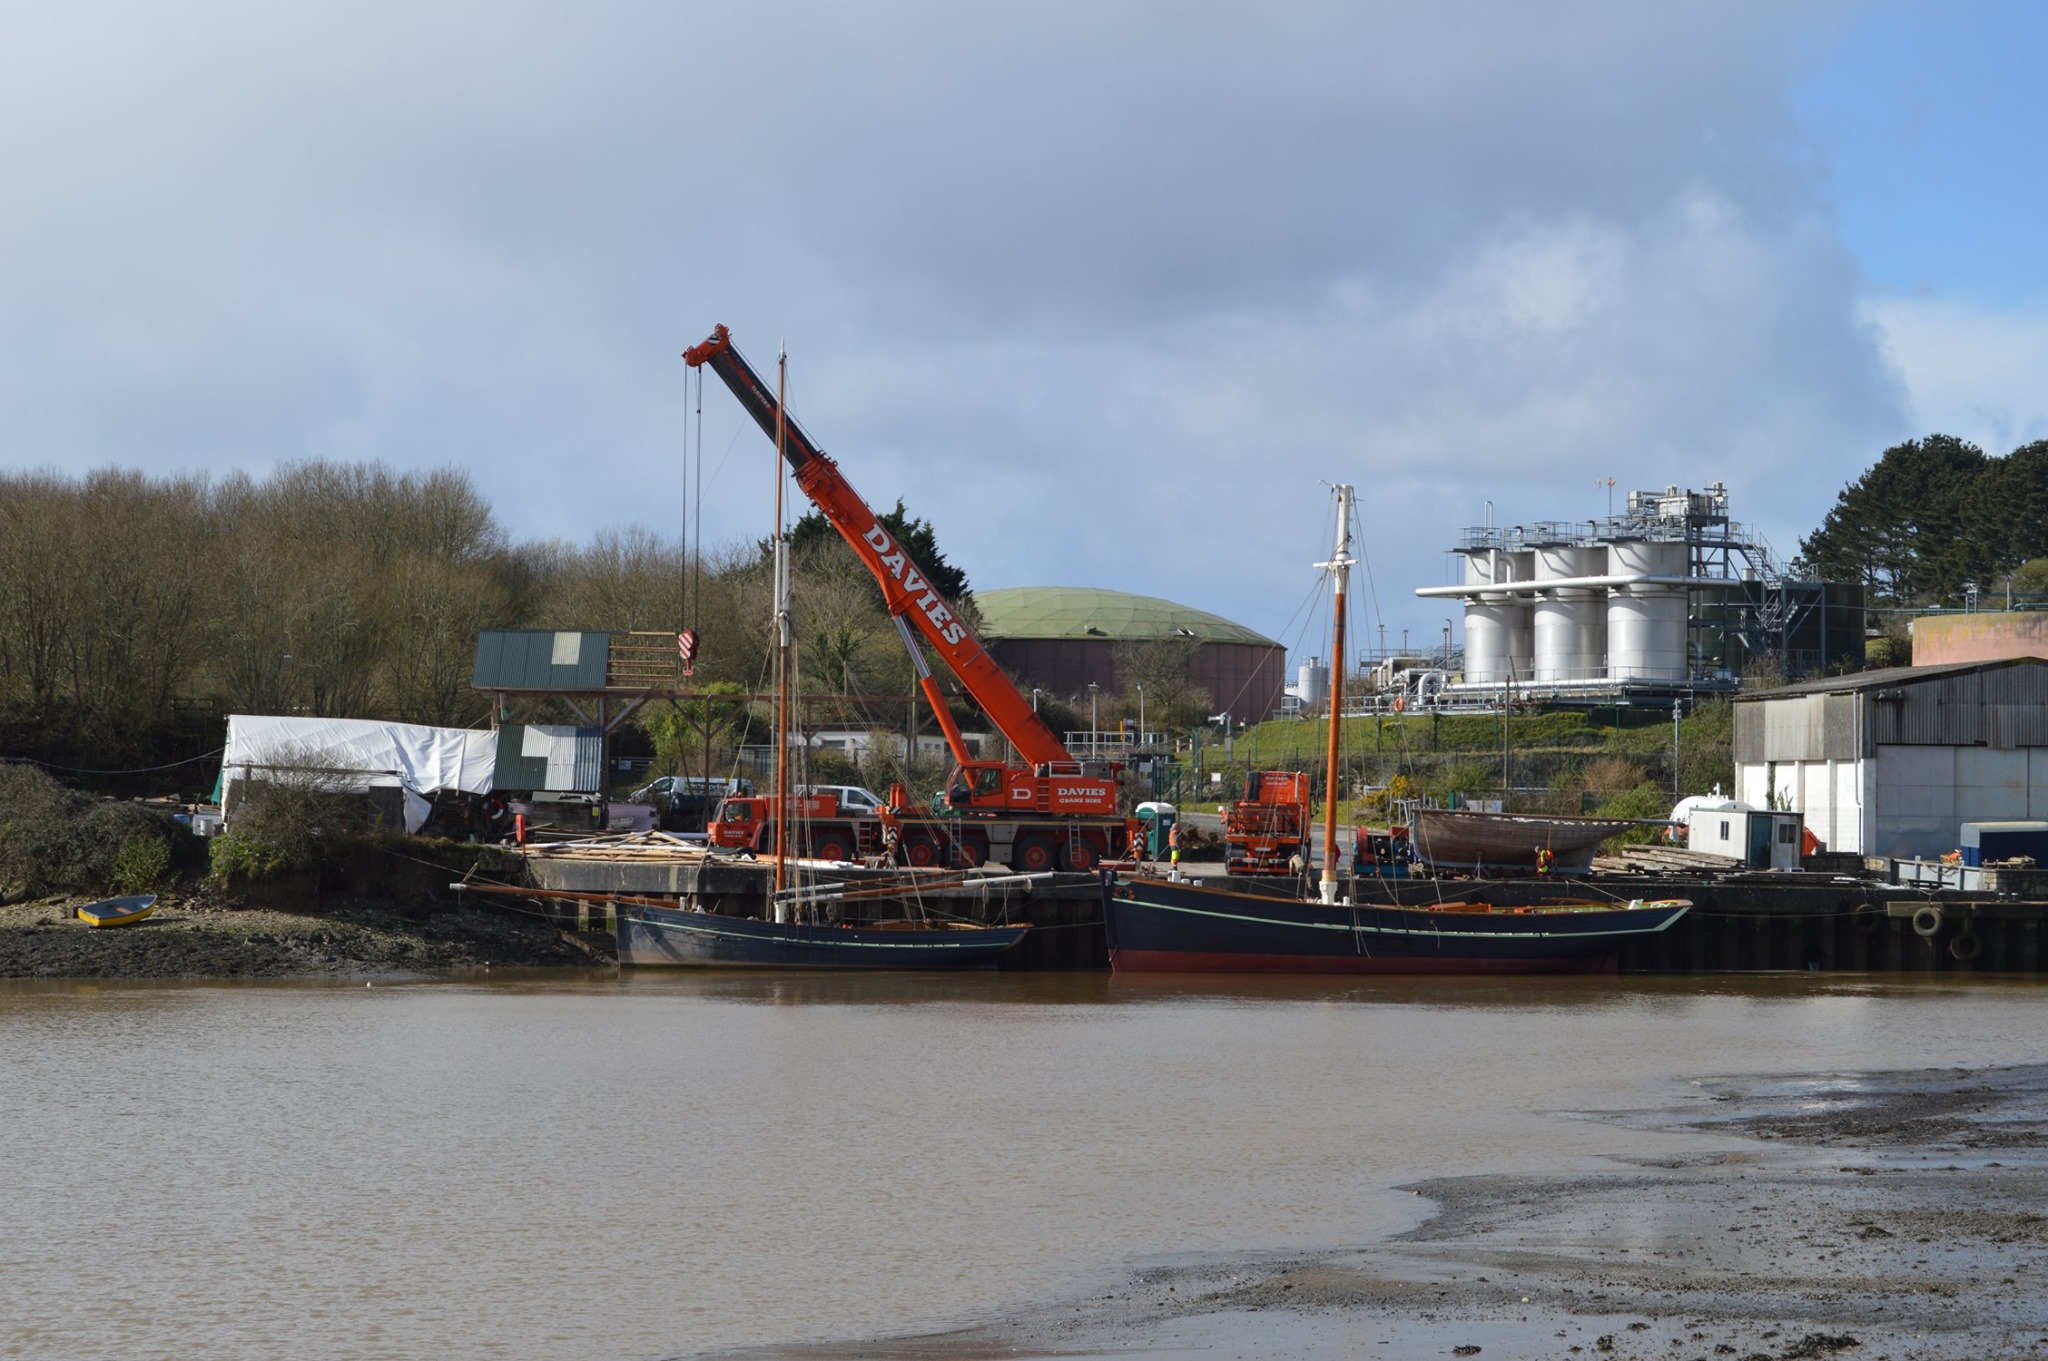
(908, 988)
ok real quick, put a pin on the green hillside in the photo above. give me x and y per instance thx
(1556, 761)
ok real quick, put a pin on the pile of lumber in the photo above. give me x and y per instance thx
(1663, 860)
(623, 846)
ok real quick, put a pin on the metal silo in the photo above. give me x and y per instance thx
(1497, 624)
(1520, 615)
(1312, 683)
(1646, 623)
(1570, 625)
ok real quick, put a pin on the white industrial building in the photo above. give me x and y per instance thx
(1894, 762)
(1669, 597)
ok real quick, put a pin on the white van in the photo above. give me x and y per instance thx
(853, 800)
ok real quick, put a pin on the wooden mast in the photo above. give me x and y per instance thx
(782, 631)
(1339, 568)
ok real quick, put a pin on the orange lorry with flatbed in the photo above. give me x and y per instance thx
(1266, 832)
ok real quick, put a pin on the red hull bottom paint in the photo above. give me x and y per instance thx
(1174, 961)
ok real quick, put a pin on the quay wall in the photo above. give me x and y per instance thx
(1065, 911)
(1763, 922)
(1738, 924)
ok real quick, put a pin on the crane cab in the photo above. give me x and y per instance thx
(1060, 789)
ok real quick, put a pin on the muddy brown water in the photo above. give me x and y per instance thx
(652, 1166)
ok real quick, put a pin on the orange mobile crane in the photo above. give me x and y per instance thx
(1050, 810)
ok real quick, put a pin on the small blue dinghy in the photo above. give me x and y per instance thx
(118, 911)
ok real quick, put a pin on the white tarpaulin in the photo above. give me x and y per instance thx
(360, 753)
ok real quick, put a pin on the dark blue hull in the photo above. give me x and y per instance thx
(666, 937)
(1158, 926)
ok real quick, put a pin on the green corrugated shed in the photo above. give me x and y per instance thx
(560, 759)
(1087, 612)
(541, 659)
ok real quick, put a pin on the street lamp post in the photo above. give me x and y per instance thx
(1141, 715)
(1676, 710)
(1094, 721)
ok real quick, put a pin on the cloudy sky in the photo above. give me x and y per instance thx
(1107, 291)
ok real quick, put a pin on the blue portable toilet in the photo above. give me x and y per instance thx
(1158, 819)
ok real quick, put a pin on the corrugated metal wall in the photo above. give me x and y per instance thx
(553, 757)
(2004, 707)
(1796, 728)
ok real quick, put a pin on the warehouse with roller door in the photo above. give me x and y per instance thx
(1062, 638)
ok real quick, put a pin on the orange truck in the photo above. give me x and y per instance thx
(1266, 831)
(1049, 810)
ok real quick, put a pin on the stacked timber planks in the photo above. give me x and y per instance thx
(647, 845)
(1664, 860)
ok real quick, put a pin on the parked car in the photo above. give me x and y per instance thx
(682, 803)
(852, 798)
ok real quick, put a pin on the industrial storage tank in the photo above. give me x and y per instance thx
(1312, 683)
(1498, 625)
(1570, 623)
(1646, 623)
(1063, 638)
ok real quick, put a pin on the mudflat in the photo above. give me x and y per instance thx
(194, 937)
(1869, 1215)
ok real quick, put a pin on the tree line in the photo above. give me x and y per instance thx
(1934, 515)
(136, 612)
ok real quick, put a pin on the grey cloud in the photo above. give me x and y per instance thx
(1103, 290)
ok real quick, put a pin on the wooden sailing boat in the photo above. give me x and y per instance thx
(876, 928)
(1165, 925)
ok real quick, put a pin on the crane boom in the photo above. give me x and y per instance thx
(907, 590)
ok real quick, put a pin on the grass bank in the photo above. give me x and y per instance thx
(1610, 762)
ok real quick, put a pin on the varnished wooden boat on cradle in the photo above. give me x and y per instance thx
(1466, 839)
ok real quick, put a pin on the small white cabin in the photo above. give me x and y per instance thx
(1758, 837)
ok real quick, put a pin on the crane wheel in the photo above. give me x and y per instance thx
(831, 848)
(1032, 855)
(920, 851)
(1080, 855)
(969, 853)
